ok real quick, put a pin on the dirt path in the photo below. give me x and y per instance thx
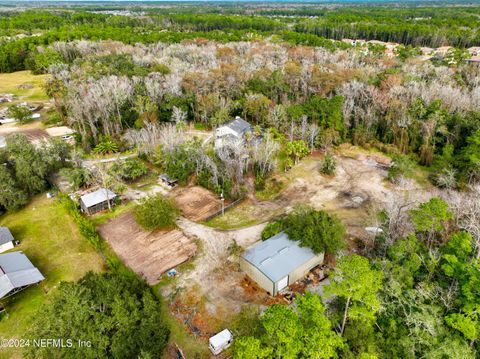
(216, 271)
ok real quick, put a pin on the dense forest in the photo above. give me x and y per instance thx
(419, 26)
(406, 107)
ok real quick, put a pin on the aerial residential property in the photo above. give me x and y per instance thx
(239, 179)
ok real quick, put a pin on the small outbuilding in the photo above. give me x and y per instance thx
(97, 201)
(17, 273)
(6, 239)
(220, 341)
(277, 262)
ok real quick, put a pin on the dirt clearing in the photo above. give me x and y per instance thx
(148, 253)
(33, 134)
(196, 203)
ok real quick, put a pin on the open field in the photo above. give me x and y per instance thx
(148, 253)
(32, 86)
(195, 202)
(51, 240)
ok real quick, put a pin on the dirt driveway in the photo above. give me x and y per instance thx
(216, 279)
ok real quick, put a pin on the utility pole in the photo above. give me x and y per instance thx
(222, 200)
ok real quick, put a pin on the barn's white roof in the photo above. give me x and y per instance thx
(278, 256)
(17, 271)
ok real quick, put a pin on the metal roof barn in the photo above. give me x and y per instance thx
(17, 273)
(278, 262)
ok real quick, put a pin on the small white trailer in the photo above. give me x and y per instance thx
(220, 341)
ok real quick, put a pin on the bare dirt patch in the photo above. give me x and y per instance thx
(33, 134)
(148, 253)
(195, 202)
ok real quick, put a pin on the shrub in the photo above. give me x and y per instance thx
(317, 230)
(75, 176)
(85, 226)
(402, 166)
(272, 229)
(328, 165)
(106, 145)
(20, 113)
(156, 212)
(130, 169)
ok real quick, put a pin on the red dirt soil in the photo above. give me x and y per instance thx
(196, 203)
(148, 253)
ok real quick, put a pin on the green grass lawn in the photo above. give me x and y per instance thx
(9, 84)
(238, 217)
(51, 240)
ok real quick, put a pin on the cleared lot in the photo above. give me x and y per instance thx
(148, 253)
(33, 134)
(196, 203)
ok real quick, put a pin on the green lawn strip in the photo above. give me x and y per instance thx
(237, 217)
(51, 240)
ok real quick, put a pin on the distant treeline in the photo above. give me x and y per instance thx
(68, 26)
(426, 26)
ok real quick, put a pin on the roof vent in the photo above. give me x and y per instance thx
(284, 249)
(266, 260)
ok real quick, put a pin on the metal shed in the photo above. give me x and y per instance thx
(97, 201)
(6, 239)
(17, 273)
(278, 262)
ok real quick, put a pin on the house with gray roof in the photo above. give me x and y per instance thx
(97, 201)
(277, 262)
(6, 239)
(232, 131)
(17, 273)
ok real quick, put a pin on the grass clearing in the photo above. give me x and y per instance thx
(51, 240)
(9, 83)
(238, 217)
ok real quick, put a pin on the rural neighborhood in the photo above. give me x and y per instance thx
(245, 180)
